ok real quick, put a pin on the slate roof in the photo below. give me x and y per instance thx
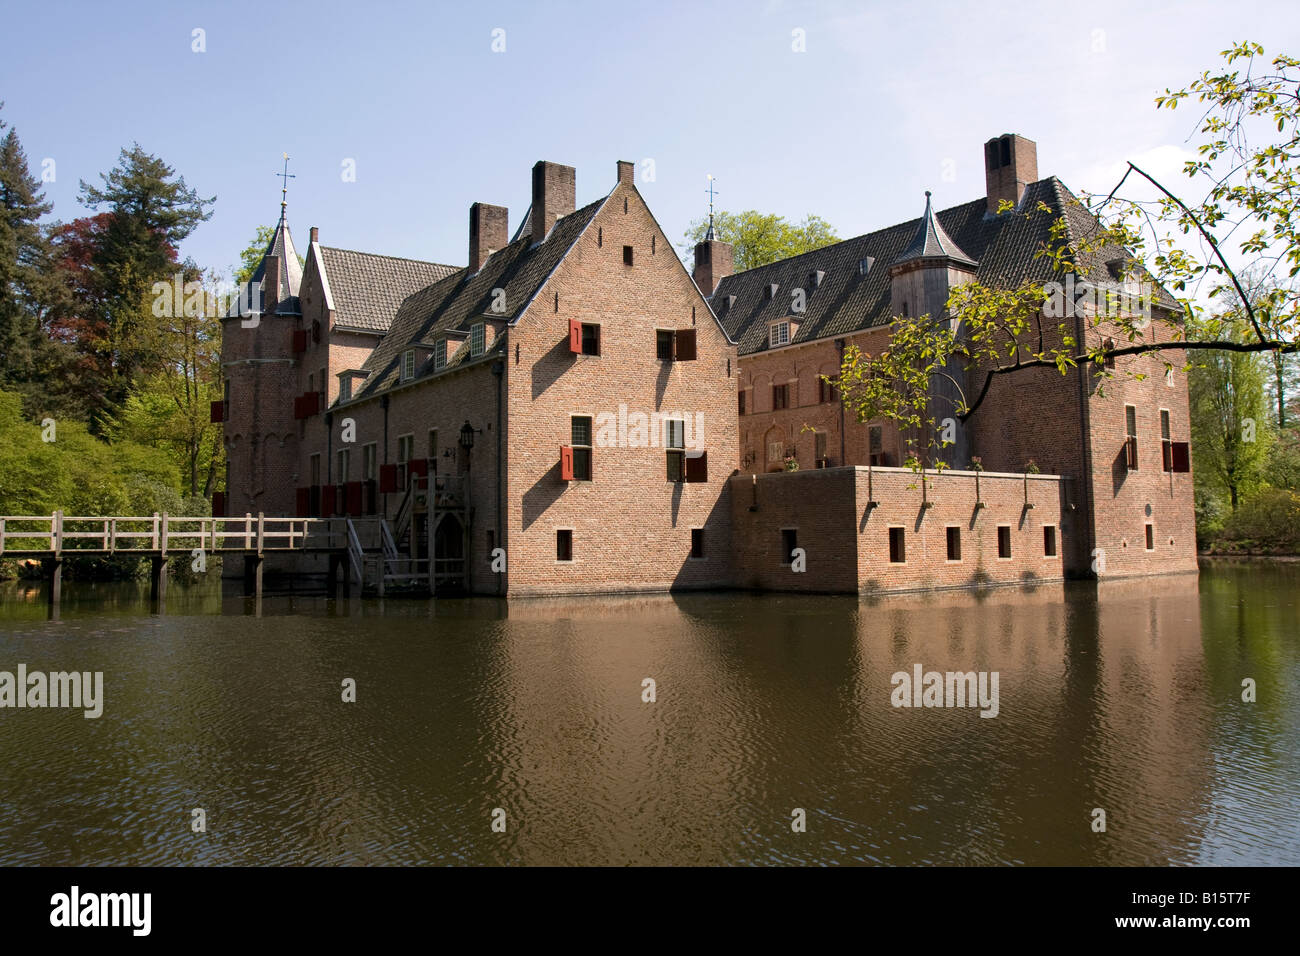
(931, 242)
(281, 245)
(455, 303)
(848, 301)
(367, 289)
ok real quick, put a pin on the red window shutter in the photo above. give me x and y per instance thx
(1180, 456)
(697, 466)
(575, 336)
(303, 501)
(387, 479)
(297, 407)
(566, 463)
(419, 466)
(300, 340)
(684, 345)
(218, 412)
(328, 494)
(354, 497)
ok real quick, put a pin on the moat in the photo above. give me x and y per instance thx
(1124, 696)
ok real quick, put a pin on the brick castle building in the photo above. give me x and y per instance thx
(573, 412)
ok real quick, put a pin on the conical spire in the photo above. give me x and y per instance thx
(281, 245)
(931, 242)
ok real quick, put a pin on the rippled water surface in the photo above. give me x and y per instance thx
(1124, 696)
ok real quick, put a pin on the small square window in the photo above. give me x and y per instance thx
(897, 546)
(564, 545)
(627, 255)
(697, 542)
(1004, 541)
(954, 543)
(789, 542)
(1049, 541)
(664, 345)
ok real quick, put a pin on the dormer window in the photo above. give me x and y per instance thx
(439, 355)
(865, 264)
(408, 366)
(477, 338)
(778, 334)
(815, 278)
(769, 291)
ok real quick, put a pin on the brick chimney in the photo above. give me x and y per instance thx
(1010, 164)
(714, 261)
(626, 172)
(314, 235)
(488, 232)
(554, 195)
(271, 284)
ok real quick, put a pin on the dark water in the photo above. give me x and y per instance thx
(1124, 696)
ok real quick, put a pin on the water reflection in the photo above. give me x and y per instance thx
(1124, 696)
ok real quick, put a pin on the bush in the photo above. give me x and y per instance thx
(1269, 521)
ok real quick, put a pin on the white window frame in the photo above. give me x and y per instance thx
(477, 339)
(778, 334)
(408, 366)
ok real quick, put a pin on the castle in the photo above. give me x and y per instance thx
(573, 412)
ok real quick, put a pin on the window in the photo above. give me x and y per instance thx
(1130, 441)
(664, 345)
(819, 449)
(1049, 541)
(1151, 536)
(905, 309)
(345, 387)
(439, 355)
(780, 397)
(1169, 378)
(789, 542)
(826, 391)
(954, 542)
(580, 433)
(778, 334)
(1004, 541)
(876, 443)
(315, 469)
(590, 339)
(408, 366)
(477, 334)
(405, 451)
(697, 542)
(369, 461)
(1108, 345)
(775, 452)
(433, 449)
(897, 546)
(627, 255)
(740, 401)
(675, 442)
(564, 545)
(344, 459)
(1166, 445)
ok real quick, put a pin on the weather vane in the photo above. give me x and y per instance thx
(284, 186)
(712, 193)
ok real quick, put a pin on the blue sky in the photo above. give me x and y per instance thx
(887, 100)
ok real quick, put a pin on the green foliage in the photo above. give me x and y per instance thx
(760, 238)
(1269, 522)
(1231, 428)
(251, 257)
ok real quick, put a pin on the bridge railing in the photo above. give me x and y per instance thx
(159, 534)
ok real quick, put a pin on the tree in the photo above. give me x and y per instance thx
(151, 211)
(1230, 427)
(759, 238)
(1249, 167)
(30, 360)
(251, 257)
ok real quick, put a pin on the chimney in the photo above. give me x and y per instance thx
(554, 192)
(315, 235)
(714, 261)
(488, 232)
(625, 172)
(271, 284)
(1010, 164)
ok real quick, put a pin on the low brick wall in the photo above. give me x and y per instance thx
(845, 541)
